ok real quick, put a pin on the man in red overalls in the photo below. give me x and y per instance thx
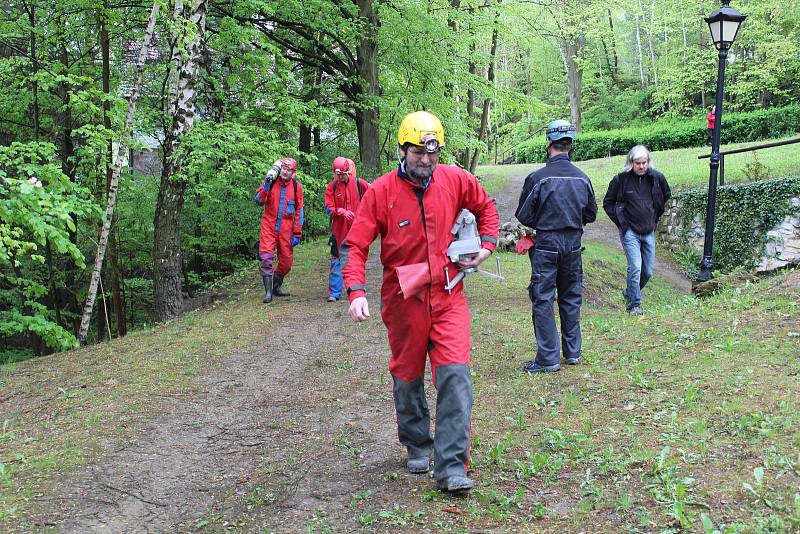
(281, 224)
(413, 209)
(342, 197)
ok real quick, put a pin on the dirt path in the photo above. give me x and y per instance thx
(292, 428)
(276, 437)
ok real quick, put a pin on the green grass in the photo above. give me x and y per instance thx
(662, 426)
(681, 166)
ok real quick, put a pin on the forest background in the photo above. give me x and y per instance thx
(228, 87)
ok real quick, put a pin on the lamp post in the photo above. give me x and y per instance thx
(724, 25)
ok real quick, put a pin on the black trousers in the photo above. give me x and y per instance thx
(556, 269)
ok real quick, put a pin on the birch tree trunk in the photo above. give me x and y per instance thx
(112, 189)
(167, 253)
(639, 57)
(650, 29)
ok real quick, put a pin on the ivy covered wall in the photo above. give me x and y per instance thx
(757, 225)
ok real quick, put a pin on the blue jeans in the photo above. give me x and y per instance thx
(335, 278)
(640, 249)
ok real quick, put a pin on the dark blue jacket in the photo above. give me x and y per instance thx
(559, 196)
(614, 201)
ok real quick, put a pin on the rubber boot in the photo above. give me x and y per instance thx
(267, 289)
(276, 286)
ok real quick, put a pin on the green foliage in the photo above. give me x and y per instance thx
(745, 213)
(669, 134)
(37, 206)
(615, 110)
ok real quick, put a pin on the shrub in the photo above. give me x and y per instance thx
(672, 133)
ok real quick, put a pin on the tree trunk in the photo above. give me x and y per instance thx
(570, 53)
(653, 63)
(167, 253)
(465, 159)
(67, 154)
(112, 190)
(639, 57)
(486, 101)
(116, 291)
(367, 118)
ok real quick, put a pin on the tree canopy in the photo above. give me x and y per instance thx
(230, 86)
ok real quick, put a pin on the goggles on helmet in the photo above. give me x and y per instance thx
(561, 129)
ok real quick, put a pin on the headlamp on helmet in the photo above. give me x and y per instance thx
(431, 144)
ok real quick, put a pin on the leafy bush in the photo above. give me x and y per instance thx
(745, 213)
(37, 205)
(672, 133)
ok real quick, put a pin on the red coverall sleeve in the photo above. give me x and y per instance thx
(330, 205)
(355, 248)
(299, 212)
(478, 202)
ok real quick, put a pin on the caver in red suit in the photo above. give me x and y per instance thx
(342, 197)
(281, 224)
(422, 319)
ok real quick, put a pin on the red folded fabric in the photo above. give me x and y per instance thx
(413, 278)
(524, 244)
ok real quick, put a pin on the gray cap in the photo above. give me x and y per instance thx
(560, 129)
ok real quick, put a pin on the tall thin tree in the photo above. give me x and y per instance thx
(112, 189)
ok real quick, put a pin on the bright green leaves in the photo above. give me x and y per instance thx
(38, 206)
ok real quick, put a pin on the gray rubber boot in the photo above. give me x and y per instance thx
(413, 423)
(267, 289)
(276, 287)
(453, 419)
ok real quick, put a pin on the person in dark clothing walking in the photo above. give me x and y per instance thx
(635, 200)
(557, 201)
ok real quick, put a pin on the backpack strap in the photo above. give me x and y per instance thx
(358, 186)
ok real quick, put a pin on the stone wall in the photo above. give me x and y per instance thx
(783, 241)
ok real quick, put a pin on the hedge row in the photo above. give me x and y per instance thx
(669, 134)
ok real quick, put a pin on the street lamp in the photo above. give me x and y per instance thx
(724, 25)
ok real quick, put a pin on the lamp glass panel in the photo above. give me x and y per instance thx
(716, 30)
(729, 29)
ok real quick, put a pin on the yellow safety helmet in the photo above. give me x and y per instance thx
(422, 129)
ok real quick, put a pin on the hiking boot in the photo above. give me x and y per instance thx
(636, 310)
(276, 287)
(267, 289)
(419, 465)
(331, 298)
(572, 361)
(455, 484)
(532, 367)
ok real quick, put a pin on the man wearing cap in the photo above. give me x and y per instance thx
(413, 209)
(557, 201)
(342, 197)
(281, 224)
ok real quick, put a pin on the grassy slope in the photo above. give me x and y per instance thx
(670, 414)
